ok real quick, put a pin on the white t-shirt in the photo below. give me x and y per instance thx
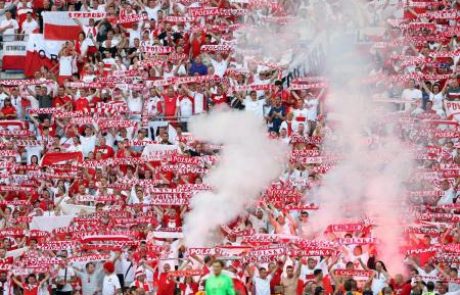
(88, 144)
(152, 105)
(262, 287)
(90, 282)
(135, 104)
(185, 105)
(152, 12)
(312, 107)
(437, 100)
(90, 31)
(258, 224)
(219, 67)
(65, 65)
(61, 275)
(133, 34)
(378, 283)
(110, 284)
(8, 34)
(199, 102)
(129, 269)
(29, 27)
(255, 106)
(411, 94)
(447, 197)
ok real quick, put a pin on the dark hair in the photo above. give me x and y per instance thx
(348, 285)
(383, 265)
(88, 264)
(317, 272)
(430, 286)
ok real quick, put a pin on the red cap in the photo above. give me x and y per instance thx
(109, 266)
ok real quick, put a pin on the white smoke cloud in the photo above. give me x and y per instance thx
(249, 162)
(367, 180)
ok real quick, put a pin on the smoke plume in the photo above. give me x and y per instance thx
(249, 162)
(368, 180)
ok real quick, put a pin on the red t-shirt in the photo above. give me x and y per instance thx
(81, 104)
(170, 106)
(196, 44)
(165, 285)
(60, 100)
(30, 289)
(8, 111)
(403, 289)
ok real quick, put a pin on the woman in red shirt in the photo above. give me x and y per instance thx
(8, 111)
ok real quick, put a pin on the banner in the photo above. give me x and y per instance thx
(58, 25)
(50, 223)
(134, 18)
(82, 14)
(157, 49)
(14, 55)
(216, 48)
(51, 158)
(452, 108)
(352, 273)
(346, 227)
(40, 52)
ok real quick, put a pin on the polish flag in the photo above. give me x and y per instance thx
(40, 52)
(51, 158)
(57, 25)
(14, 55)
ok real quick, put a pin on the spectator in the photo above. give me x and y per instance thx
(9, 27)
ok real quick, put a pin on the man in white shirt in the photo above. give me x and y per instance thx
(134, 33)
(29, 26)
(259, 220)
(220, 65)
(262, 282)
(65, 275)
(4, 7)
(448, 194)
(3, 95)
(254, 105)
(152, 8)
(16, 101)
(90, 278)
(135, 104)
(111, 283)
(9, 27)
(88, 141)
(411, 94)
(196, 93)
(185, 107)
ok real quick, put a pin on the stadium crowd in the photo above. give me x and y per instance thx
(97, 166)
